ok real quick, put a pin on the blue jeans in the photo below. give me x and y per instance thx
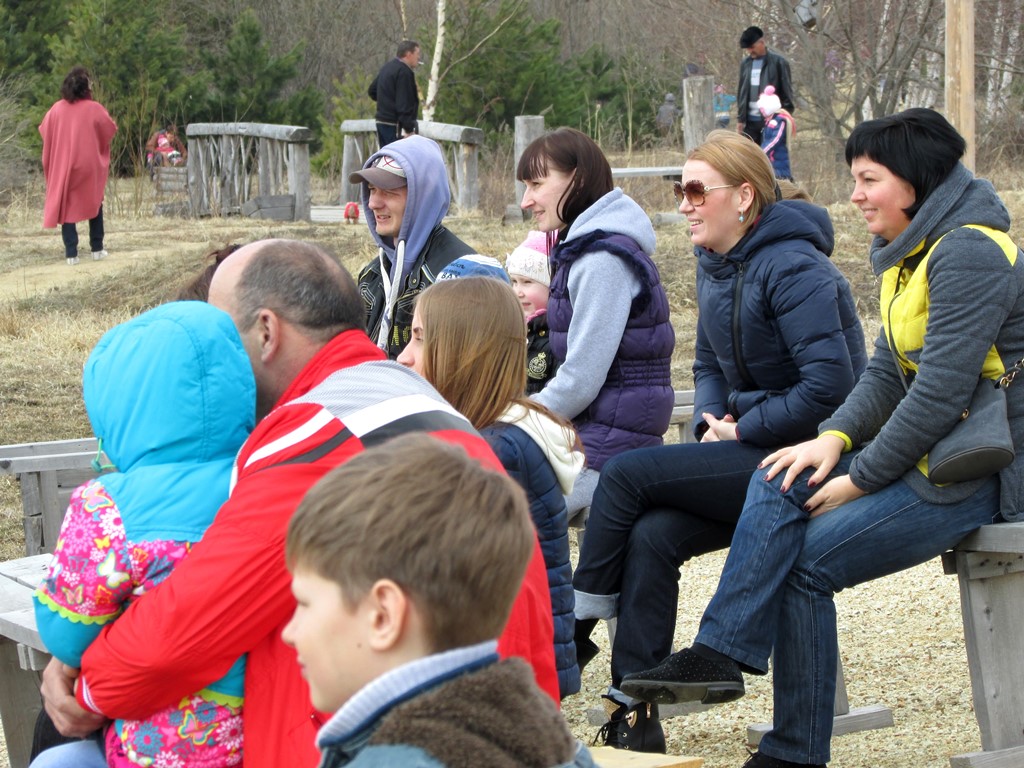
(781, 575)
(69, 234)
(654, 509)
(77, 754)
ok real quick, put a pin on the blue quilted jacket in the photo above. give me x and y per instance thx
(526, 463)
(779, 341)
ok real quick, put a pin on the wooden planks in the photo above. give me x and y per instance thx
(682, 415)
(670, 172)
(170, 179)
(609, 757)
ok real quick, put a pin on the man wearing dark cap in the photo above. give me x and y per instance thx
(405, 193)
(760, 69)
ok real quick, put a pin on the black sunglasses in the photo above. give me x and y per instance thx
(694, 191)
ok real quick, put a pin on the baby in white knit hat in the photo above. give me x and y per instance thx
(528, 268)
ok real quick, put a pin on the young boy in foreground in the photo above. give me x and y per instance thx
(402, 588)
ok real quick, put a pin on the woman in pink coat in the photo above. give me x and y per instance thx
(76, 161)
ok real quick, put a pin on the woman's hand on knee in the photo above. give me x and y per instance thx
(821, 453)
(834, 493)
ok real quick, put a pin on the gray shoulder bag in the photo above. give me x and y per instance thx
(980, 444)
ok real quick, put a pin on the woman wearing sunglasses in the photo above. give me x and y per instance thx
(779, 346)
(608, 314)
(857, 503)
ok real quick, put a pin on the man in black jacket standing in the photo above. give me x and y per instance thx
(394, 90)
(760, 69)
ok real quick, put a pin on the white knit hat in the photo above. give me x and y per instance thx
(530, 259)
(769, 103)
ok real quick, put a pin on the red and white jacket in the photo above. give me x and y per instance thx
(232, 594)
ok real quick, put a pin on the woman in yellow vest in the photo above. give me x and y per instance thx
(856, 503)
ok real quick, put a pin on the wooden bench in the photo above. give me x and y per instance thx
(670, 172)
(170, 180)
(989, 565)
(47, 473)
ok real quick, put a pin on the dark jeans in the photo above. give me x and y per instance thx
(69, 234)
(754, 129)
(654, 509)
(386, 133)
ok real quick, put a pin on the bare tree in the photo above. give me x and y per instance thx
(437, 74)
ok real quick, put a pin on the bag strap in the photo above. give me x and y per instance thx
(1002, 382)
(1011, 373)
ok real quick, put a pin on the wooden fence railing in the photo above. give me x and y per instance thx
(242, 167)
(459, 143)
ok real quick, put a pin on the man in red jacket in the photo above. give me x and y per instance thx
(324, 393)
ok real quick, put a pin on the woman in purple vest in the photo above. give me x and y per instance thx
(607, 311)
(779, 346)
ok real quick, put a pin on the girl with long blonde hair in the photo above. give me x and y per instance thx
(469, 341)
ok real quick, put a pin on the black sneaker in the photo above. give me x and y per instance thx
(635, 728)
(757, 760)
(685, 676)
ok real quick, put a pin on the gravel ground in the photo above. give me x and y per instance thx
(901, 642)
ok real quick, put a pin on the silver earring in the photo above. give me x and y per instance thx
(741, 218)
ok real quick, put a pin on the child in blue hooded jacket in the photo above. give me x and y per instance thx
(171, 397)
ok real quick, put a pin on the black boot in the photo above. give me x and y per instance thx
(586, 649)
(635, 728)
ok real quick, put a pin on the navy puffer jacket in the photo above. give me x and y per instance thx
(779, 341)
(525, 462)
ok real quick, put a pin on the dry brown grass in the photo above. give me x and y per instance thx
(901, 638)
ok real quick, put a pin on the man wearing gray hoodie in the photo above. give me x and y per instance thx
(405, 189)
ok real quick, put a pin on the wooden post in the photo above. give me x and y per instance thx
(298, 178)
(528, 128)
(198, 191)
(20, 705)
(357, 133)
(351, 161)
(698, 110)
(265, 173)
(960, 72)
(467, 172)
